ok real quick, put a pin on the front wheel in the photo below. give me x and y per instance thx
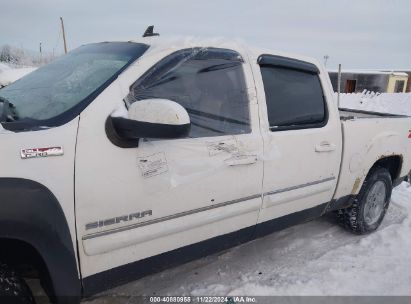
(13, 289)
(371, 204)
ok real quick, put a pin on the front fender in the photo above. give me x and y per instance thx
(29, 212)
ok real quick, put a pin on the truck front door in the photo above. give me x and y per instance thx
(135, 203)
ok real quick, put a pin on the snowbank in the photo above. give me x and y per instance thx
(394, 103)
(9, 75)
(3, 67)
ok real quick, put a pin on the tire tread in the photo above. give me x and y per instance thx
(350, 218)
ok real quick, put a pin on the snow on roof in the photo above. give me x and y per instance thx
(178, 42)
(399, 74)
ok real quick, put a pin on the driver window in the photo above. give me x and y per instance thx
(208, 82)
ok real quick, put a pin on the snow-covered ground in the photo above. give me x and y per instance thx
(9, 74)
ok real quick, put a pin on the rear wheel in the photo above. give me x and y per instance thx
(371, 204)
(13, 289)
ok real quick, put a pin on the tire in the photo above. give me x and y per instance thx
(368, 210)
(13, 289)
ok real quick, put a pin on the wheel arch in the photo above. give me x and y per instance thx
(393, 163)
(31, 217)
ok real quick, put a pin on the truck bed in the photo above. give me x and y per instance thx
(347, 114)
(369, 137)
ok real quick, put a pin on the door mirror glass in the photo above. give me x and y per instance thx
(152, 118)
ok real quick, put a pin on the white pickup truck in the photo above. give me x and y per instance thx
(122, 158)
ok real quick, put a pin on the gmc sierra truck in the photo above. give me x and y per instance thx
(120, 159)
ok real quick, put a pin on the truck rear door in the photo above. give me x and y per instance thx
(302, 137)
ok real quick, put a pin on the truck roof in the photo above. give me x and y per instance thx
(165, 43)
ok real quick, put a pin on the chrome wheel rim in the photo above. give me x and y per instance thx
(374, 203)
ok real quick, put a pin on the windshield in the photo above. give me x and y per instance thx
(68, 82)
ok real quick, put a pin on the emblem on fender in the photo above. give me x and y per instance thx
(41, 152)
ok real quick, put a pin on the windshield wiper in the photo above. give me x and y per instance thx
(7, 111)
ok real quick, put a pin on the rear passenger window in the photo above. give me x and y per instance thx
(294, 98)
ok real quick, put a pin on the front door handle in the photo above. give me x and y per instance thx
(325, 147)
(237, 160)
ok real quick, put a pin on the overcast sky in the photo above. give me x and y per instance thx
(356, 33)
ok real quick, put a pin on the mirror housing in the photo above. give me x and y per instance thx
(152, 118)
(159, 111)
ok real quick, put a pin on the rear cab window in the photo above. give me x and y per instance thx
(294, 95)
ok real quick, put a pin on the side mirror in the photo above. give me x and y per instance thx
(152, 118)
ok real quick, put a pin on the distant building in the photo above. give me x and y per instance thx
(356, 81)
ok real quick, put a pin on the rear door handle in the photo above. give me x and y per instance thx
(325, 147)
(237, 160)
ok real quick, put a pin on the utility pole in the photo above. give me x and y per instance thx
(326, 57)
(64, 35)
(41, 57)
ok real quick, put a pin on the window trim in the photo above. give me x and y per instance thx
(148, 71)
(289, 63)
(275, 61)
